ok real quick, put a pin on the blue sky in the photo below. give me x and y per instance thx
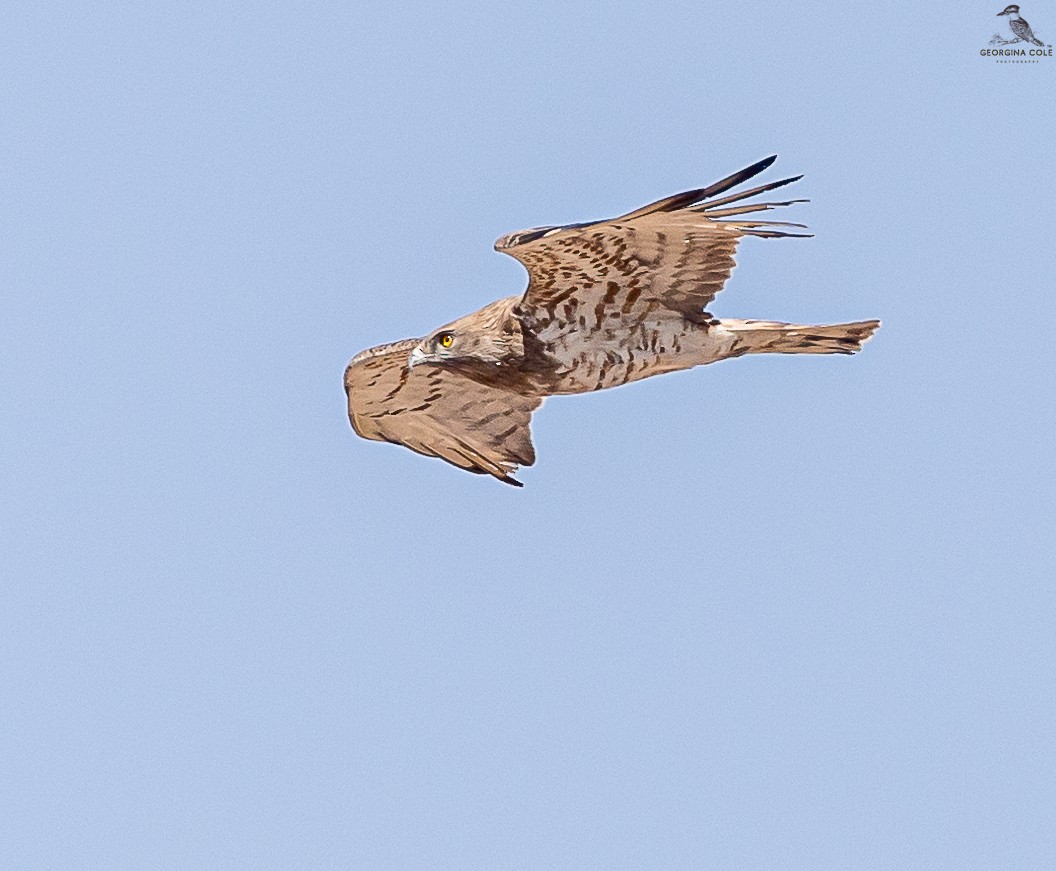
(777, 612)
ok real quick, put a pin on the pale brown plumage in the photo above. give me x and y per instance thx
(607, 302)
(439, 413)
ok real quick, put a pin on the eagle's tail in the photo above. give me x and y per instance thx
(773, 337)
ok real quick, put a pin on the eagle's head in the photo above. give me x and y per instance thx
(487, 339)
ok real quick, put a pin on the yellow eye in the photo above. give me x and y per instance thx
(447, 340)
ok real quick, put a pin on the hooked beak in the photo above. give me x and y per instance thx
(417, 356)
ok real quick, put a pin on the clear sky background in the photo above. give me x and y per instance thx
(774, 613)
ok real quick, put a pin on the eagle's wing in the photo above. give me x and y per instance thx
(674, 254)
(439, 413)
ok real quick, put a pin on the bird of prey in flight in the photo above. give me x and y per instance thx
(608, 302)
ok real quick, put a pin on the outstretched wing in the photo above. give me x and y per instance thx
(439, 413)
(674, 254)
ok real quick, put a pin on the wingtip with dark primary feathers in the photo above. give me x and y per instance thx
(694, 198)
(504, 477)
(736, 178)
(751, 192)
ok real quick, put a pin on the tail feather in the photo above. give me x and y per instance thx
(774, 337)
